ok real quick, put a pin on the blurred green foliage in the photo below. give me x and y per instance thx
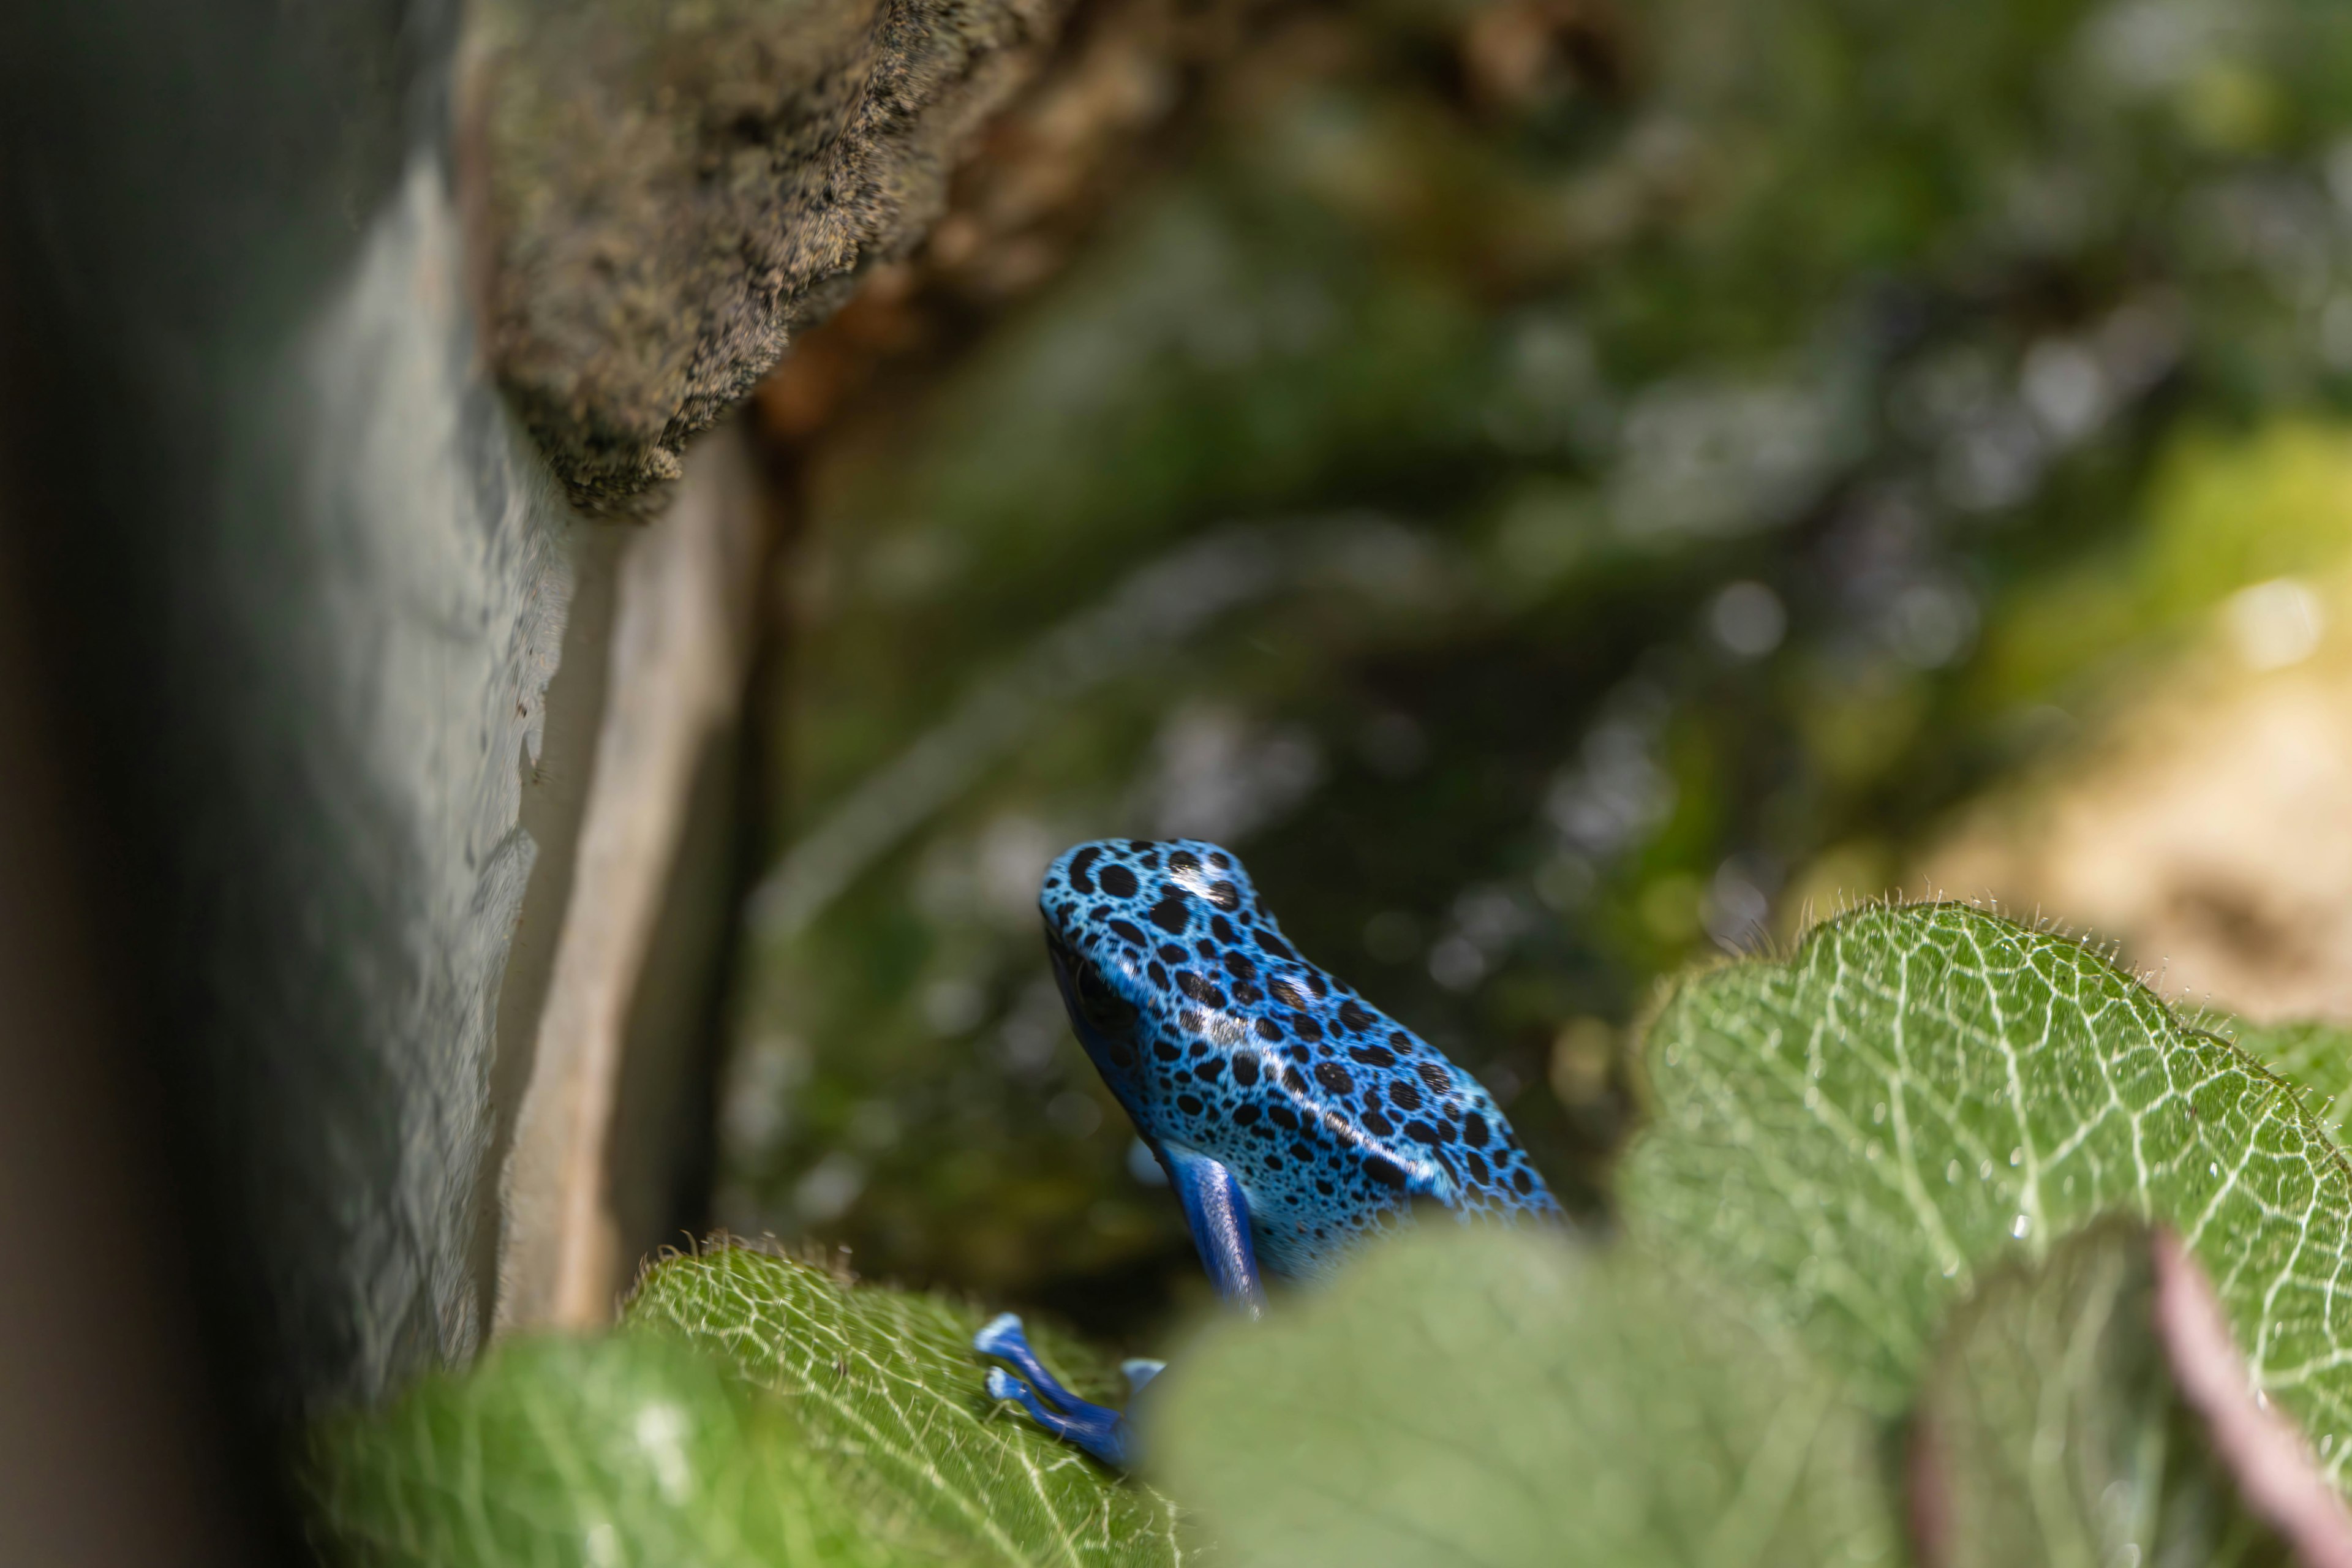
(1534, 520)
(589, 1454)
(2050, 1428)
(1836, 1316)
(753, 1411)
(1496, 1398)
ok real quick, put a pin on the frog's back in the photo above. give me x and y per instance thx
(1220, 1040)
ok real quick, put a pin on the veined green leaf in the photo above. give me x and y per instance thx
(2317, 1057)
(886, 1381)
(1920, 1091)
(625, 1452)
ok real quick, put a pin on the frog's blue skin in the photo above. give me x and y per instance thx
(1293, 1118)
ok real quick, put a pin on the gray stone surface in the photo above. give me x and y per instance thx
(412, 633)
(304, 581)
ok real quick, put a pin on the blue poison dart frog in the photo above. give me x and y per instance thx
(1293, 1118)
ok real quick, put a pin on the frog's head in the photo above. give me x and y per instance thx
(1123, 916)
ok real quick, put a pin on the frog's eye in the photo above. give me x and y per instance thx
(1103, 1007)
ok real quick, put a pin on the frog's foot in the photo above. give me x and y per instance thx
(1099, 1429)
(1138, 1372)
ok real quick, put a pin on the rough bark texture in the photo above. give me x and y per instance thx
(673, 189)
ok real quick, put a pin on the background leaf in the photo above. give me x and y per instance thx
(2050, 1430)
(1921, 1090)
(886, 1381)
(1502, 1398)
(611, 1453)
(2317, 1057)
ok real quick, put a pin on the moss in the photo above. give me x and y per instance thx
(670, 191)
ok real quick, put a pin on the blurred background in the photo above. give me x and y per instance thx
(1567, 491)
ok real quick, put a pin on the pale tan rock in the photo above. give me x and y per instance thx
(2206, 826)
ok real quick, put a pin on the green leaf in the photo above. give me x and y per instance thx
(2050, 1429)
(613, 1453)
(1496, 1398)
(886, 1380)
(1917, 1091)
(2315, 1058)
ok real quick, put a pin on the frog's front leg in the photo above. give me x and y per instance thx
(1217, 1210)
(1099, 1429)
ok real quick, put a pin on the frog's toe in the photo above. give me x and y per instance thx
(1004, 1340)
(1002, 1336)
(1100, 1431)
(1140, 1372)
